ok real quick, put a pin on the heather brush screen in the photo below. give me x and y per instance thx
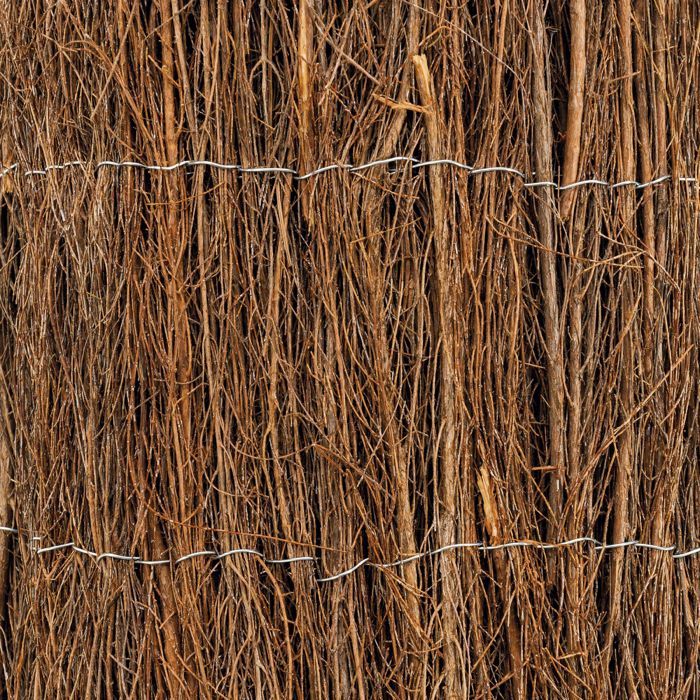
(349, 349)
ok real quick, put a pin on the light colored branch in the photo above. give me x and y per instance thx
(574, 114)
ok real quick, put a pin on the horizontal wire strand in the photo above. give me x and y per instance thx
(414, 162)
(478, 546)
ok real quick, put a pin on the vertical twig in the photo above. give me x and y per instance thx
(572, 151)
(574, 113)
(623, 474)
(542, 137)
(5, 500)
(445, 280)
(305, 57)
(171, 628)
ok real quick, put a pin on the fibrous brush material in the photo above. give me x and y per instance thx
(349, 349)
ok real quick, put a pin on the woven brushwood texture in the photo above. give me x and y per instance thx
(360, 365)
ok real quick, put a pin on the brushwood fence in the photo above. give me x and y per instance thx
(349, 349)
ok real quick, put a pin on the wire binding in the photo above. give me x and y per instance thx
(243, 550)
(415, 164)
(342, 574)
(54, 548)
(478, 546)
